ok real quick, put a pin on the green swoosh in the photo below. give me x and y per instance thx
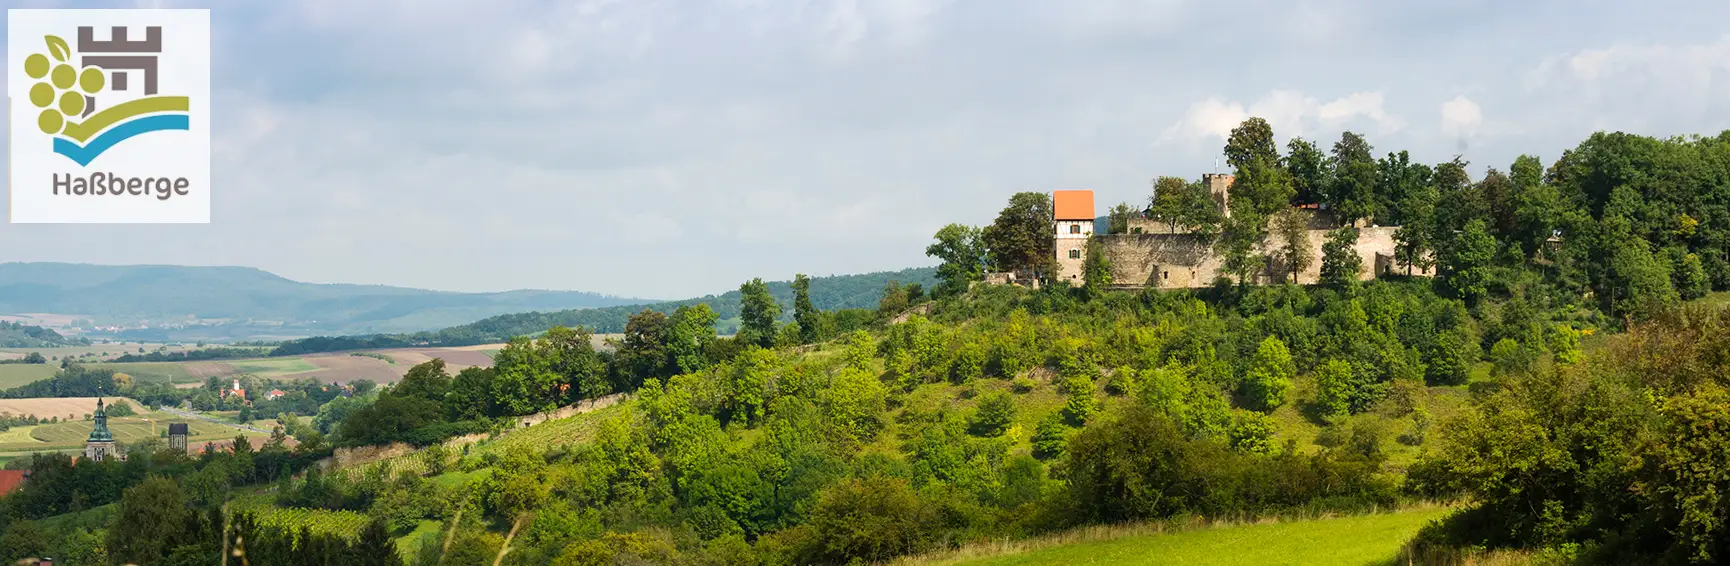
(108, 116)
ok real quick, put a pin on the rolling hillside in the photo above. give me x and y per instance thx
(236, 303)
(827, 293)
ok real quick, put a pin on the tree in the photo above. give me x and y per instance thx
(1537, 205)
(427, 380)
(1638, 284)
(1236, 246)
(1051, 436)
(470, 397)
(1687, 274)
(35, 358)
(1269, 376)
(245, 415)
(1413, 241)
(576, 369)
(644, 353)
(146, 521)
(523, 376)
(1117, 219)
(1096, 268)
(1341, 264)
(1450, 360)
(1021, 239)
(1464, 261)
(375, 546)
(963, 252)
(1334, 388)
(1291, 225)
(688, 339)
(1351, 190)
(1184, 204)
(996, 412)
(803, 312)
(1260, 186)
(757, 312)
(895, 299)
(870, 519)
(1510, 358)
(1397, 180)
(1309, 171)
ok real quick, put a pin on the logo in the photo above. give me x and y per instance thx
(68, 95)
(109, 116)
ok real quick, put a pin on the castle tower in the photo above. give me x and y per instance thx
(1072, 213)
(101, 442)
(1219, 186)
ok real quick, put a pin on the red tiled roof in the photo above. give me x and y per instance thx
(1072, 205)
(10, 480)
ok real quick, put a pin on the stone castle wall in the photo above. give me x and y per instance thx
(1176, 261)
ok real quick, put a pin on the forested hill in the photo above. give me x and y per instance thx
(15, 335)
(827, 293)
(243, 302)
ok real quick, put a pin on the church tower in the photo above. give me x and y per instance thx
(100, 445)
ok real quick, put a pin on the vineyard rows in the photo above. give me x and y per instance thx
(346, 524)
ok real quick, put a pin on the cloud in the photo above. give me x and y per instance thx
(1649, 88)
(693, 145)
(1461, 117)
(1290, 113)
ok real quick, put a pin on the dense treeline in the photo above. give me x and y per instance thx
(30, 358)
(200, 354)
(152, 510)
(562, 366)
(1622, 460)
(165, 525)
(825, 293)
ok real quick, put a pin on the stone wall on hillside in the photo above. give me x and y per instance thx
(1177, 261)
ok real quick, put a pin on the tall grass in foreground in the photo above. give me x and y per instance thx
(1006, 548)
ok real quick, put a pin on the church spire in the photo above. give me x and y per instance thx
(100, 433)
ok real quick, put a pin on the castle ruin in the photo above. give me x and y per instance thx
(1151, 253)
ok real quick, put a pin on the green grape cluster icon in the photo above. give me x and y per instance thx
(61, 92)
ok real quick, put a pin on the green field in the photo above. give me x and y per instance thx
(1355, 540)
(13, 375)
(171, 372)
(97, 350)
(272, 367)
(70, 435)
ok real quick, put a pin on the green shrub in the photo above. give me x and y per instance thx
(995, 413)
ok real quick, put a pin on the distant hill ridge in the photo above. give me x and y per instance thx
(261, 303)
(827, 293)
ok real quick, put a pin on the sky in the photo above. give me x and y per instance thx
(667, 149)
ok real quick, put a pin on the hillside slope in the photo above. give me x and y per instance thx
(243, 302)
(827, 293)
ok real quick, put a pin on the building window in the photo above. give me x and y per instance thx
(1075, 228)
(1165, 275)
(1074, 254)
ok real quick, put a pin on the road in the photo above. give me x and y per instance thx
(207, 418)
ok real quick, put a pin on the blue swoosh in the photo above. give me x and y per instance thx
(84, 154)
